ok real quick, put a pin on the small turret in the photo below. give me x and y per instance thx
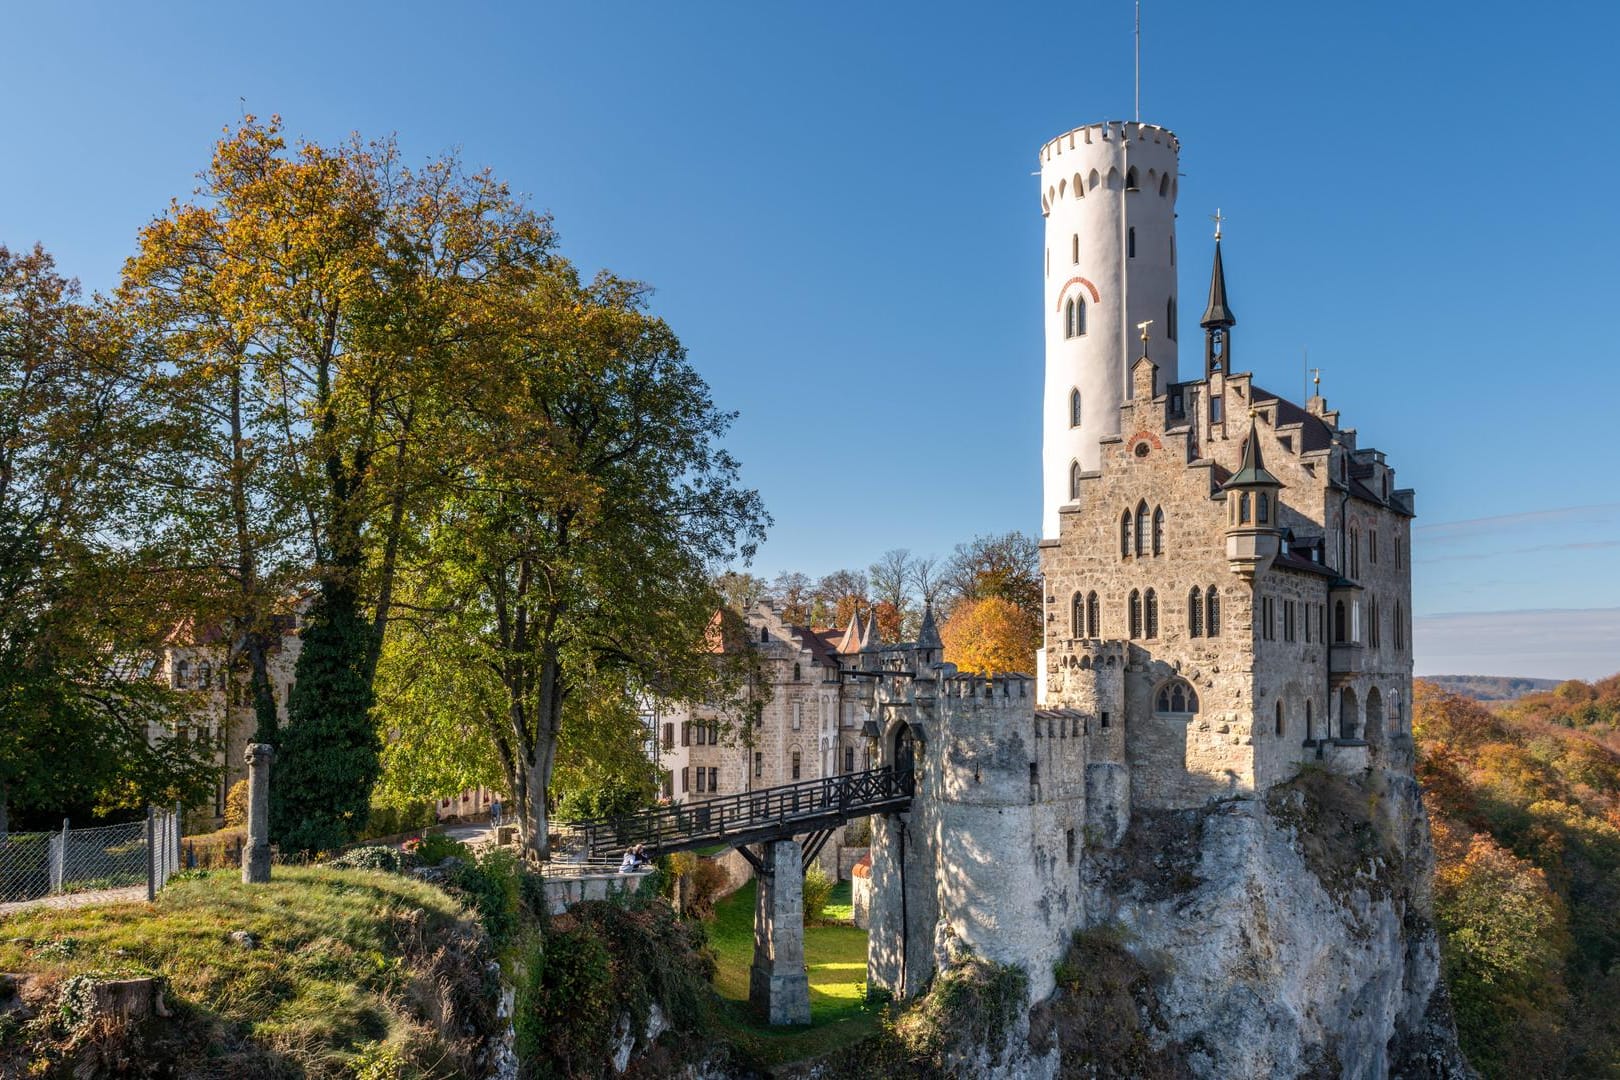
(1252, 533)
(929, 646)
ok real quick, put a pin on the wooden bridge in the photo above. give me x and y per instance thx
(813, 808)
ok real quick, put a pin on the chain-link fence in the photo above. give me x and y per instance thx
(68, 860)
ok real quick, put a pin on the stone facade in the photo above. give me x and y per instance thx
(808, 726)
(1227, 669)
(205, 664)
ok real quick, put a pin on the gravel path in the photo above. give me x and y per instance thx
(83, 899)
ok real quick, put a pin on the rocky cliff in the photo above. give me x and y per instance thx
(1284, 936)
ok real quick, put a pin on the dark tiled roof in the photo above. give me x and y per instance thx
(1314, 434)
(820, 649)
(1290, 561)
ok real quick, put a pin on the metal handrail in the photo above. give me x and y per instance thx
(694, 824)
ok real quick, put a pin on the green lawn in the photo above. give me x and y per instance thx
(836, 959)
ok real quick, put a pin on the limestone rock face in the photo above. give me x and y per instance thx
(1285, 936)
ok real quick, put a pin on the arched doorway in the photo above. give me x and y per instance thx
(905, 750)
(1374, 730)
(1348, 720)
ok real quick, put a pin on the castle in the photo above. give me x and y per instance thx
(1227, 590)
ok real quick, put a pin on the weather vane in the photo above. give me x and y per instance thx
(1217, 219)
(1316, 380)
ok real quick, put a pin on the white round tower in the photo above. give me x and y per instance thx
(1108, 192)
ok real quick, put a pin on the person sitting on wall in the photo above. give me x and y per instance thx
(634, 859)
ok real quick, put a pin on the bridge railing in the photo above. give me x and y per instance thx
(842, 796)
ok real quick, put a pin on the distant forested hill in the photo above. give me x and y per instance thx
(1489, 687)
(1524, 799)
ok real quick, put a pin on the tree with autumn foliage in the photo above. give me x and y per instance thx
(1524, 800)
(568, 569)
(83, 596)
(991, 635)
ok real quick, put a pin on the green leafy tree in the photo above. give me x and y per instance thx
(352, 288)
(574, 558)
(80, 599)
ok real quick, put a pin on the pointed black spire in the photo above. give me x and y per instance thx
(1218, 313)
(928, 633)
(1218, 319)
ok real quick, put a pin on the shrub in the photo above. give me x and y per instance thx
(710, 880)
(601, 961)
(373, 857)
(236, 805)
(612, 798)
(437, 847)
(386, 819)
(490, 887)
(818, 889)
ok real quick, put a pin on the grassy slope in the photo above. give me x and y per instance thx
(329, 976)
(836, 958)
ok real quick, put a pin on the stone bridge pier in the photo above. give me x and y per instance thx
(778, 986)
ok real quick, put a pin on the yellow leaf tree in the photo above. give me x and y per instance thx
(991, 635)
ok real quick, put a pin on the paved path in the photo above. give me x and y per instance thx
(135, 893)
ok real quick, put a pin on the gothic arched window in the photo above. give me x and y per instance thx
(798, 673)
(1136, 614)
(1152, 605)
(1074, 481)
(1125, 534)
(1195, 612)
(1176, 696)
(1243, 508)
(1158, 530)
(1079, 317)
(1142, 524)
(1077, 616)
(1170, 318)
(1093, 616)
(1131, 182)
(1263, 509)
(1068, 319)
(1074, 408)
(1400, 626)
(1078, 190)
(1212, 608)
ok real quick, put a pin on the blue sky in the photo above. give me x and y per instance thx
(836, 208)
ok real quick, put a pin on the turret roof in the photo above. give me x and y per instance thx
(1218, 313)
(1253, 472)
(928, 632)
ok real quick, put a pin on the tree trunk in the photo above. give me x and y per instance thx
(267, 722)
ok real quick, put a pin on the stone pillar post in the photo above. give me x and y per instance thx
(778, 987)
(256, 853)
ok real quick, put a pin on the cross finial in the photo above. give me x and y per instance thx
(1143, 326)
(1217, 219)
(1316, 379)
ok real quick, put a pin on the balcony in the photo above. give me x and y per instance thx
(1347, 658)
